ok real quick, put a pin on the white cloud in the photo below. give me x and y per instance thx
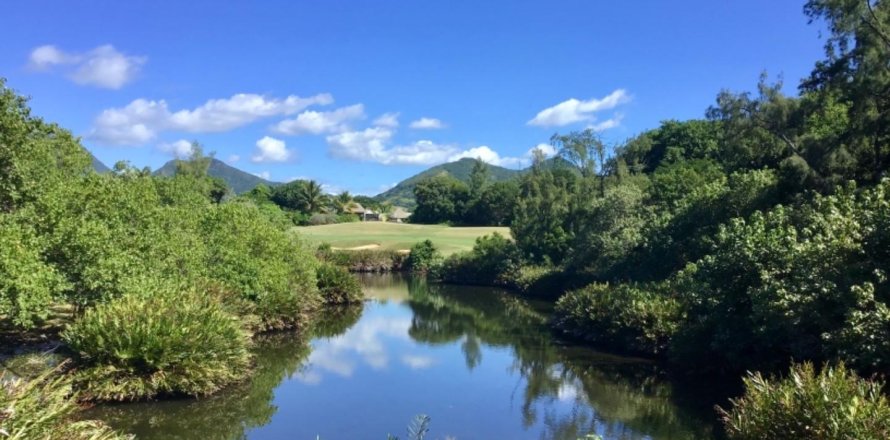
(363, 344)
(360, 145)
(314, 122)
(607, 124)
(574, 110)
(427, 124)
(489, 156)
(47, 56)
(179, 149)
(373, 145)
(234, 158)
(141, 120)
(388, 120)
(328, 188)
(547, 149)
(417, 362)
(270, 149)
(370, 145)
(263, 175)
(102, 67)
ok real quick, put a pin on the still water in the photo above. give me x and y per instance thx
(481, 363)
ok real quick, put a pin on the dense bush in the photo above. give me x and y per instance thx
(105, 232)
(493, 261)
(43, 408)
(28, 286)
(424, 256)
(337, 285)
(624, 317)
(808, 283)
(832, 404)
(268, 266)
(323, 219)
(158, 341)
(366, 260)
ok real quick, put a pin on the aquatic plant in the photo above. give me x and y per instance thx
(43, 408)
(834, 403)
(165, 341)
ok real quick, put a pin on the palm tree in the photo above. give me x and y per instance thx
(313, 197)
(343, 202)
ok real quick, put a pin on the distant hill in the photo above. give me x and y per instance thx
(239, 181)
(98, 166)
(403, 193)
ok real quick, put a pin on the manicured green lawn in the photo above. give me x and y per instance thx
(397, 236)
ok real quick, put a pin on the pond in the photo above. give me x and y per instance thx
(480, 362)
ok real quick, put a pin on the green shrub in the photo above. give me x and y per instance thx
(163, 341)
(493, 261)
(337, 285)
(833, 404)
(624, 317)
(807, 283)
(43, 408)
(265, 265)
(423, 257)
(323, 219)
(348, 218)
(28, 285)
(366, 260)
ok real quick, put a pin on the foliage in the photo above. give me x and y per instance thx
(630, 318)
(493, 261)
(323, 219)
(365, 260)
(161, 340)
(440, 199)
(35, 156)
(43, 408)
(807, 283)
(28, 286)
(300, 195)
(263, 264)
(424, 256)
(831, 404)
(337, 286)
(542, 226)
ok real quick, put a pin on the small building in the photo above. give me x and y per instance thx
(399, 215)
(363, 213)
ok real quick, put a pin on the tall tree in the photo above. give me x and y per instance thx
(313, 197)
(857, 71)
(479, 176)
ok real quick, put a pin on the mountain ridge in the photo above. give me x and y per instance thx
(402, 194)
(240, 181)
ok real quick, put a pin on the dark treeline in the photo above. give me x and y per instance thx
(304, 202)
(445, 199)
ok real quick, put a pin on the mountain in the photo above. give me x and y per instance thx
(239, 181)
(403, 193)
(98, 166)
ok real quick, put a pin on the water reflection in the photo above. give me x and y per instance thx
(482, 363)
(227, 415)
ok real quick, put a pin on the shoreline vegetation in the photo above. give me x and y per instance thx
(750, 246)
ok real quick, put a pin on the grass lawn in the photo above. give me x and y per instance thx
(397, 236)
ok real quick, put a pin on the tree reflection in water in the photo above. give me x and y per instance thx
(561, 391)
(231, 413)
(620, 398)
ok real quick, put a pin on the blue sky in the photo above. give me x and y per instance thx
(362, 94)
